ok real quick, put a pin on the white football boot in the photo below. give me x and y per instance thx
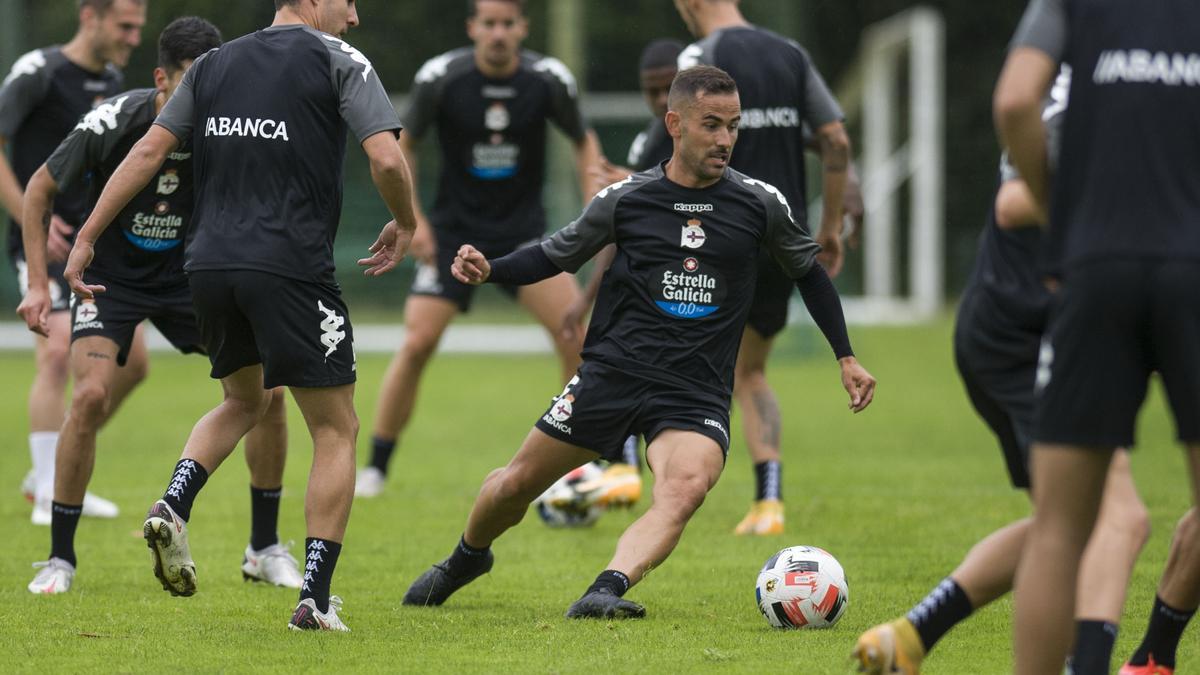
(273, 565)
(166, 535)
(93, 507)
(306, 616)
(28, 486)
(369, 482)
(55, 576)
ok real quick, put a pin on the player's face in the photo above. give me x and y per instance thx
(337, 16)
(497, 29)
(167, 81)
(116, 32)
(688, 16)
(656, 84)
(705, 132)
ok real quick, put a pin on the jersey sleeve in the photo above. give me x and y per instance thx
(820, 106)
(23, 89)
(178, 116)
(564, 98)
(788, 243)
(1043, 27)
(698, 53)
(362, 100)
(579, 242)
(422, 104)
(89, 143)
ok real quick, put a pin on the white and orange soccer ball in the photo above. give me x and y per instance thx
(565, 505)
(802, 587)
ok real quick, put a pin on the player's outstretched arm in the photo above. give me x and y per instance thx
(522, 267)
(389, 171)
(36, 223)
(424, 242)
(135, 171)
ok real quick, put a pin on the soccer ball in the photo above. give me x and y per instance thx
(563, 505)
(802, 587)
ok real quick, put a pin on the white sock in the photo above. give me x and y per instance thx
(42, 446)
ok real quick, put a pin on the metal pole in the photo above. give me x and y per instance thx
(565, 21)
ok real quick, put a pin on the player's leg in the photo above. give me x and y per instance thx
(47, 406)
(266, 559)
(425, 320)
(93, 362)
(503, 501)
(1068, 485)
(686, 465)
(133, 373)
(761, 426)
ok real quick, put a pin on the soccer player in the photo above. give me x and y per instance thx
(490, 104)
(661, 345)
(1126, 217)
(1175, 603)
(1001, 320)
(781, 91)
(141, 266)
(267, 152)
(41, 100)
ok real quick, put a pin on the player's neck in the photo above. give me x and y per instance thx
(80, 52)
(721, 15)
(497, 72)
(160, 100)
(678, 174)
(289, 17)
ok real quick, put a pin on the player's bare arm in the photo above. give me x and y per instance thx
(139, 166)
(390, 171)
(36, 217)
(10, 188)
(834, 147)
(577, 310)
(424, 241)
(1016, 208)
(1017, 107)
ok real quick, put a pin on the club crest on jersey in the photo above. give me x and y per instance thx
(87, 317)
(496, 118)
(693, 235)
(168, 183)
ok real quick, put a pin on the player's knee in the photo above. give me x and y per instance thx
(419, 347)
(89, 401)
(683, 495)
(249, 406)
(53, 362)
(1187, 530)
(276, 408)
(1132, 521)
(513, 485)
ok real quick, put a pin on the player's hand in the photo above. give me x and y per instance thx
(831, 255)
(77, 262)
(424, 243)
(572, 321)
(858, 383)
(387, 251)
(606, 173)
(470, 266)
(58, 240)
(35, 310)
(852, 210)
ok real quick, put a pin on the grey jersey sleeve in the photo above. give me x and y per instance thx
(788, 243)
(178, 116)
(579, 242)
(1043, 27)
(820, 106)
(698, 53)
(564, 97)
(422, 105)
(90, 142)
(362, 101)
(23, 89)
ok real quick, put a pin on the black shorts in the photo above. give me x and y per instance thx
(1116, 322)
(116, 313)
(998, 367)
(601, 406)
(299, 331)
(60, 290)
(772, 295)
(436, 281)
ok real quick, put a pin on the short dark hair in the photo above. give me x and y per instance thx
(102, 6)
(660, 54)
(280, 4)
(186, 39)
(473, 6)
(691, 83)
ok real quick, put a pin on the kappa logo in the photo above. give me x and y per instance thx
(693, 208)
(355, 55)
(103, 118)
(433, 68)
(1045, 363)
(559, 70)
(771, 190)
(27, 65)
(331, 337)
(604, 193)
(690, 57)
(693, 235)
(318, 545)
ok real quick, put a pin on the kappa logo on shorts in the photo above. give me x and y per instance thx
(86, 317)
(331, 337)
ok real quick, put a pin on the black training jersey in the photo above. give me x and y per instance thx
(41, 100)
(780, 90)
(1128, 183)
(675, 300)
(144, 245)
(492, 135)
(267, 114)
(651, 146)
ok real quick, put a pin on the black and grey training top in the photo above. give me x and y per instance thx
(492, 135)
(652, 146)
(267, 115)
(41, 100)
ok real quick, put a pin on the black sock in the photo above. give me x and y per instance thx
(465, 557)
(945, 606)
(186, 482)
(320, 557)
(381, 453)
(64, 518)
(264, 517)
(1093, 647)
(610, 580)
(768, 478)
(1162, 635)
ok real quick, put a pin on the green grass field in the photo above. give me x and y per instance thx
(898, 494)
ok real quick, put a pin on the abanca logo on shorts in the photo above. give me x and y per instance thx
(246, 128)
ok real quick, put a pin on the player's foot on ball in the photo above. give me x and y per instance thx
(1147, 668)
(273, 565)
(620, 486)
(55, 576)
(604, 604)
(99, 507)
(369, 482)
(28, 486)
(438, 583)
(765, 518)
(166, 535)
(306, 616)
(890, 648)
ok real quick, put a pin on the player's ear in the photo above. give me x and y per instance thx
(674, 123)
(161, 80)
